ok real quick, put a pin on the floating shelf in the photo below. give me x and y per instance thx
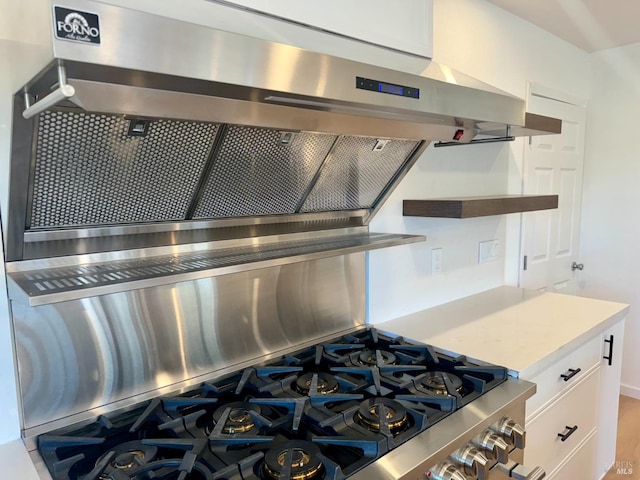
(45, 286)
(533, 125)
(469, 207)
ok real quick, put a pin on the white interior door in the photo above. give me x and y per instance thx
(553, 165)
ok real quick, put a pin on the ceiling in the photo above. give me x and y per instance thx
(590, 25)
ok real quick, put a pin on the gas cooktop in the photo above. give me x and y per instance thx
(324, 412)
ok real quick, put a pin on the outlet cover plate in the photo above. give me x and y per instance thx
(488, 251)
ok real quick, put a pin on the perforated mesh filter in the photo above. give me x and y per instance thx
(89, 171)
(356, 174)
(256, 174)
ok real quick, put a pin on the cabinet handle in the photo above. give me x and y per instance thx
(610, 356)
(572, 372)
(564, 436)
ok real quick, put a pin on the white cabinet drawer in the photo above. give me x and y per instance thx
(580, 466)
(550, 383)
(578, 407)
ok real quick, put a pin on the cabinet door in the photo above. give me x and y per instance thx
(580, 465)
(609, 397)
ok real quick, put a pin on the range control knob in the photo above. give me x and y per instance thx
(445, 471)
(473, 463)
(493, 446)
(513, 433)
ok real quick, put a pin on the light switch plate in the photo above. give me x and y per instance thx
(436, 261)
(488, 251)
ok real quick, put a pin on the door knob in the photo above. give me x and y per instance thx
(577, 266)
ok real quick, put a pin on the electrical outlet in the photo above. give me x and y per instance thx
(488, 251)
(436, 261)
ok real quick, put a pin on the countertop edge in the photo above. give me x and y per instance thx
(17, 464)
(548, 360)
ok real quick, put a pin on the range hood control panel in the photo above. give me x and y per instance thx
(390, 88)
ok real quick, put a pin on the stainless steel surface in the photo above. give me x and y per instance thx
(356, 174)
(42, 287)
(473, 462)
(171, 241)
(191, 242)
(61, 93)
(78, 355)
(144, 228)
(414, 458)
(89, 171)
(256, 174)
(299, 73)
(493, 446)
(511, 431)
(22, 135)
(445, 471)
(515, 470)
(167, 103)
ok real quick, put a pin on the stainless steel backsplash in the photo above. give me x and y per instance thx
(83, 357)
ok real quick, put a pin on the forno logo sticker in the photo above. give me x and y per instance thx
(77, 26)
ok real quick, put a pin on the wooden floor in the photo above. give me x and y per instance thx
(628, 443)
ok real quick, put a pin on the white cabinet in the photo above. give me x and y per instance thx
(579, 465)
(572, 421)
(573, 416)
(406, 26)
(609, 397)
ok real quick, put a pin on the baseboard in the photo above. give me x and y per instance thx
(630, 391)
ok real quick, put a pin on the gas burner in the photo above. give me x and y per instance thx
(436, 382)
(370, 357)
(126, 457)
(239, 420)
(300, 457)
(327, 383)
(368, 414)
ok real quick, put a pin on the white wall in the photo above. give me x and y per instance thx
(611, 195)
(23, 51)
(488, 43)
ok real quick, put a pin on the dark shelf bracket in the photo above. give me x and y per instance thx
(472, 142)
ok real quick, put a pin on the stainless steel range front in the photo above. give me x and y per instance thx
(186, 261)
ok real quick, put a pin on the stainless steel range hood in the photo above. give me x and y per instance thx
(150, 140)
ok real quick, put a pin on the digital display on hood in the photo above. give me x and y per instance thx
(390, 88)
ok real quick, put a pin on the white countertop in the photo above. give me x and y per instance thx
(16, 463)
(523, 330)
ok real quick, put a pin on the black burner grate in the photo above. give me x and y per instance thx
(348, 402)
